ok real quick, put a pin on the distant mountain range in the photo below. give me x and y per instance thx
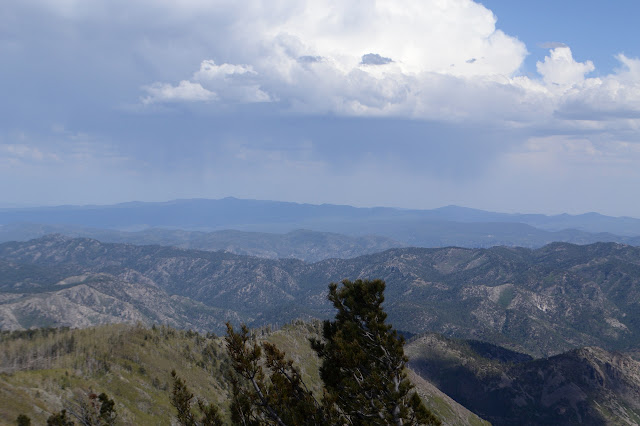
(541, 302)
(274, 229)
(270, 216)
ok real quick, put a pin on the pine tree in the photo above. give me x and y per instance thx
(362, 370)
(363, 361)
(107, 412)
(181, 399)
(59, 419)
(89, 409)
(278, 397)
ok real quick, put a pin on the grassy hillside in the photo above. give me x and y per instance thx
(41, 370)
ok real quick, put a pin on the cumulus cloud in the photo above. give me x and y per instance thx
(613, 98)
(325, 55)
(232, 82)
(561, 69)
(420, 59)
(420, 35)
(434, 60)
(630, 71)
(227, 82)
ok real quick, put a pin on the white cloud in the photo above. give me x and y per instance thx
(184, 91)
(425, 59)
(210, 71)
(420, 36)
(232, 82)
(226, 82)
(630, 71)
(415, 41)
(559, 68)
(444, 60)
(613, 99)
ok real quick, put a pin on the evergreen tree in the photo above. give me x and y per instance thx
(59, 419)
(363, 361)
(90, 410)
(107, 412)
(181, 399)
(362, 370)
(277, 397)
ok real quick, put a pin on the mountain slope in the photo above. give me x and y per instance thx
(300, 244)
(543, 301)
(583, 386)
(44, 369)
(93, 299)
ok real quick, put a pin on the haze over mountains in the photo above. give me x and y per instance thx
(197, 224)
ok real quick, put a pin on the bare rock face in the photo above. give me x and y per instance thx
(582, 386)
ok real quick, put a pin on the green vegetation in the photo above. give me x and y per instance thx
(60, 419)
(182, 400)
(363, 371)
(506, 296)
(92, 410)
(363, 360)
(42, 371)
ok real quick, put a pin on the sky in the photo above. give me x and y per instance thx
(499, 105)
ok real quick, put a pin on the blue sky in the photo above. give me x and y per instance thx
(594, 30)
(505, 105)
